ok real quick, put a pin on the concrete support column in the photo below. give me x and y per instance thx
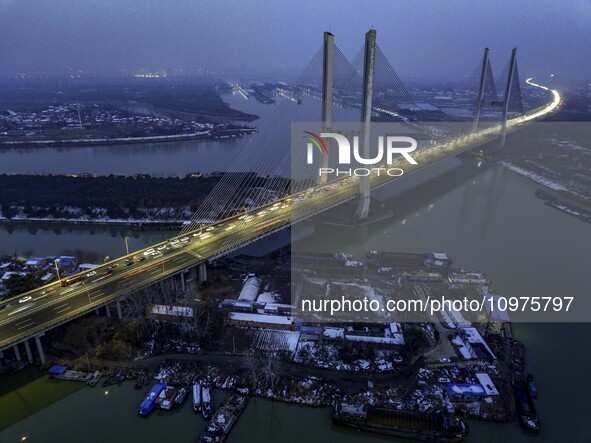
(202, 272)
(119, 313)
(183, 283)
(193, 273)
(17, 352)
(368, 74)
(108, 310)
(96, 311)
(28, 351)
(40, 349)
(327, 77)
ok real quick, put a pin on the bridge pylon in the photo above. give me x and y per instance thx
(479, 102)
(507, 95)
(362, 210)
(327, 80)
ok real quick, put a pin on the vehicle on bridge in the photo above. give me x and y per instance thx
(72, 279)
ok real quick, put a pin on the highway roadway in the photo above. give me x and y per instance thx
(38, 310)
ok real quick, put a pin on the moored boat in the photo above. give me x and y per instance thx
(180, 396)
(528, 418)
(197, 397)
(149, 400)
(416, 425)
(165, 399)
(531, 385)
(207, 402)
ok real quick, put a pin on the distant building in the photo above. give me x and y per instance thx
(35, 264)
(464, 392)
(476, 345)
(250, 289)
(496, 314)
(5, 267)
(9, 274)
(280, 322)
(169, 313)
(67, 263)
(488, 385)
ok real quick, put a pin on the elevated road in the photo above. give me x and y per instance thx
(44, 308)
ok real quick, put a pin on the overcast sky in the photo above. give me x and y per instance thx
(425, 37)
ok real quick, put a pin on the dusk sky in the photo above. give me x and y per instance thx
(431, 38)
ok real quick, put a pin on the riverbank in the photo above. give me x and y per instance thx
(132, 199)
(270, 421)
(106, 141)
(549, 183)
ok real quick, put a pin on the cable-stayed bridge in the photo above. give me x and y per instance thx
(285, 189)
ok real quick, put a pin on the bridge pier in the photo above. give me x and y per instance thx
(108, 310)
(183, 283)
(119, 313)
(202, 272)
(192, 274)
(362, 210)
(40, 349)
(17, 352)
(96, 311)
(28, 351)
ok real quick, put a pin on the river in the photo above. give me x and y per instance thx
(158, 159)
(485, 217)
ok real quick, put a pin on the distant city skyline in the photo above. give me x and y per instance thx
(426, 38)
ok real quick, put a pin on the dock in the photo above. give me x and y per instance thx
(224, 419)
(62, 373)
(96, 376)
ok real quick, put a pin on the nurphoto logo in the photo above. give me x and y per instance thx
(394, 145)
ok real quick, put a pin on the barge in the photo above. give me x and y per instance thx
(416, 425)
(225, 418)
(406, 260)
(526, 412)
(207, 405)
(149, 400)
(165, 399)
(197, 397)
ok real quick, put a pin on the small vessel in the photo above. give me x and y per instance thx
(423, 276)
(197, 397)
(207, 402)
(96, 376)
(415, 425)
(224, 419)
(528, 418)
(531, 385)
(141, 380)
(149, 400)
(180, 396)
(166, 397)
(212, 434)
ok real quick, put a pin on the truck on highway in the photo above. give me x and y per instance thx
(67, 281)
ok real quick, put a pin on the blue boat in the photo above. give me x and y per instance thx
(531, 384)
(149, 400)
